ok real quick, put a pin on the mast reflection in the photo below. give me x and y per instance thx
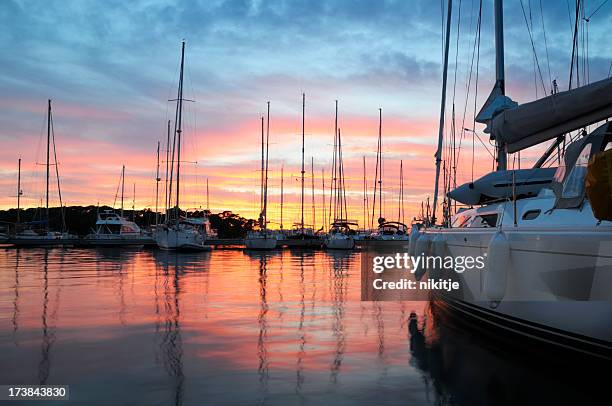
(262, 351)
(15, 318)
(170, 341)
(48, 337)
(299, 376)
(339, 292)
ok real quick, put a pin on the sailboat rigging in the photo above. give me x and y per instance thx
(539, 227)
(28, 234)
(263, 239)
(340, 235)
(178, 232)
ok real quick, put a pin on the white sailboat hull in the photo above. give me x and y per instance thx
(260, 243)
(557, 280)
(339, 242)
(171, 238)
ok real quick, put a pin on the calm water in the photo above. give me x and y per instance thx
(228, 327)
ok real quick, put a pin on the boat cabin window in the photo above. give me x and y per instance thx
(485, 220)
(608, 146)
(531, 214)
(574, 184)
(113, 228)
(461, 221)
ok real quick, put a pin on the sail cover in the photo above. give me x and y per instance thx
(549, 117)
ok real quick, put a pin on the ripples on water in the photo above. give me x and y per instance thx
(229, 327)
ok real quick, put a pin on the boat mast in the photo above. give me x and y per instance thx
(166, 197)
(134, 204)
(500, 82)
(323, 194)
(303, 119)
(265, 210)
(122, 187)
(48, 149)
(381, 166)
(314, 221)
(157, 180)
(365, 198)
(282, 197)
(400, 209)
(379, 170)
(207, 197)
(332, 185)
(19, 192)
(442, 109)
(261, 179)
(179, 129)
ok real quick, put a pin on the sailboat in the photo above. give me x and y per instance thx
(114, 230)
(390, 234)
(302, 235)
(263, 239)
(341, 234)
(38, 233)
(548, 245)
(178, 232)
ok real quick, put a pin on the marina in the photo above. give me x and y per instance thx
(412, 205)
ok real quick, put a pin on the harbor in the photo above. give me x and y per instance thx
(327, 202)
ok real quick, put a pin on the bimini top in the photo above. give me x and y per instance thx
(547, 118)
(393, 226)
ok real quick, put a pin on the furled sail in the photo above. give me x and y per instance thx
(549, 117)
(503, 185)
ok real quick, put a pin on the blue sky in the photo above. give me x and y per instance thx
(111, 66)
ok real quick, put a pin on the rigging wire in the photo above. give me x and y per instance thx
(545, 44)
(533, 47)
(475, 47)
(597, 9)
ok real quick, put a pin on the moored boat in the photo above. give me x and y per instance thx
(548, 245)
(262, 238)
(112, 230)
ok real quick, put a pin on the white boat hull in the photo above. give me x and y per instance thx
(557, 280)
(180, 239)
(339, 243)
(260, 243)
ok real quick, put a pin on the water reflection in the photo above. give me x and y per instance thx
(227, 327)
(299, 376)
(262, 352)
(15, 318)
(44, 366)
(460, 368)
(170, 268)
(338, 297)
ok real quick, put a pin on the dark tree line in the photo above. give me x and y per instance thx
(81, 220)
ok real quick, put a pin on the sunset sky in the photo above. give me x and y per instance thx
(111, 66)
